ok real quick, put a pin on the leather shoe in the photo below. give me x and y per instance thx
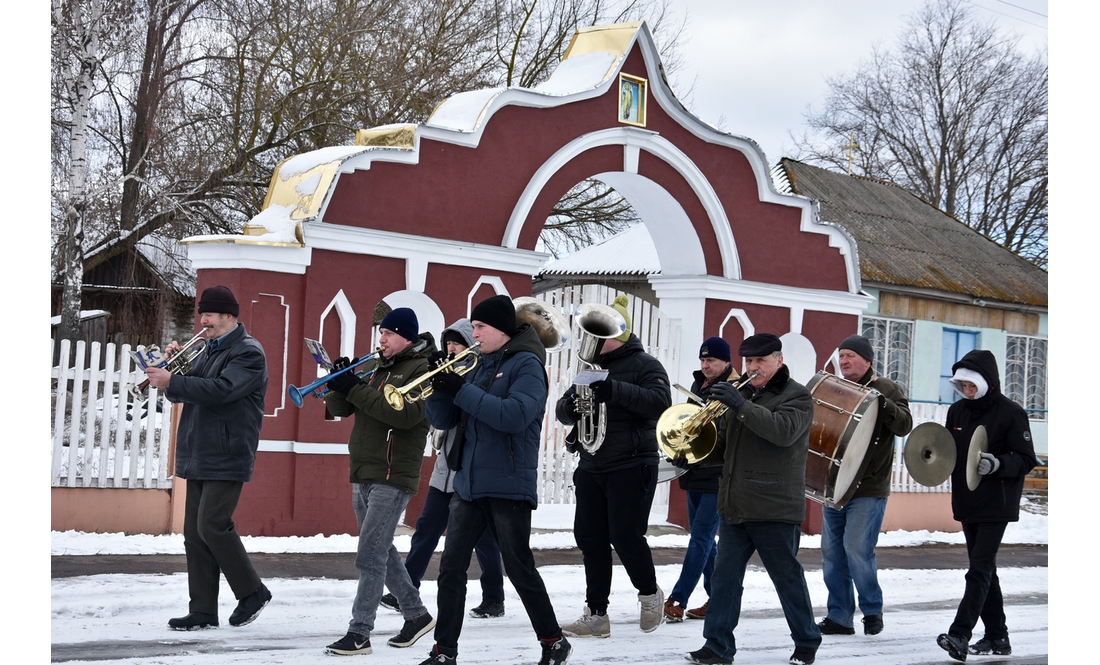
(830, 627)
(249, 607)
(194, 621)
(872, 625)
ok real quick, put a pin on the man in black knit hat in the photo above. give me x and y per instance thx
(217, 438)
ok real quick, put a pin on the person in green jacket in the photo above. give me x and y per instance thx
(387, 449)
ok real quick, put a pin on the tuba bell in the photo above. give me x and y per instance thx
(596, 323)
(551, 328)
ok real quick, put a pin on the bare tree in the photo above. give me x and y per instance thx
(958, 115)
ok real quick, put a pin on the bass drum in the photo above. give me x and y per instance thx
(845, 414)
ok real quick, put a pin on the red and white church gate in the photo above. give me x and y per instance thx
(439, 215)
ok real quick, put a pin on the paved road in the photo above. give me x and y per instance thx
(342, 565)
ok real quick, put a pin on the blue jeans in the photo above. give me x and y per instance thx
(377, 509)
(510, 522)
(430, 526)
(848, 539)
(701, 550)
(777, 545)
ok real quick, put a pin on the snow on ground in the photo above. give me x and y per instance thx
(121, 618)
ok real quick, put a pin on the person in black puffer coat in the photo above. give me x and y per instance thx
(701, 484)
(615, 485)
(986, 510)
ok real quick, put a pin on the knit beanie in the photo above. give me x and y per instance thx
(498, 312)
(403, 322)
(715, 347)
(219, 299)
(619, 306)
(860, 345)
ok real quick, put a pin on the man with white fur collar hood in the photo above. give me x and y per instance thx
(987, 510)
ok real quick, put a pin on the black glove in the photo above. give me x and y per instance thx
(342, 362)
(436, 359)
(448, 383)
(680, 462)
(343, 383)
(988, 464)
(725, 393)
(601, 391)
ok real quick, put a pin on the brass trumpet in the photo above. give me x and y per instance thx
(178, 363)
(688, 430)
(415, 391)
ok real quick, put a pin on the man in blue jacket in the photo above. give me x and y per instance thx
(216, 442)
(498, 408)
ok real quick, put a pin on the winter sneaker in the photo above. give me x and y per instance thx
(652, 611)
(389, 600)
(487, 610)
(830, 627)
(707, 657)
(699, 612)
(954, 645)
(555, 652)
(872, 625)
(803, 656)
(674, 612)
(351, 644)
(412, 631)
(436, 658)
(986, 646)
(194, 621)
(589, 625)
(249, 607)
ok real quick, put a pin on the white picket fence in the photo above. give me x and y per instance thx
(100, 438)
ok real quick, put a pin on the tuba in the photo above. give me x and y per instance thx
(551, 328)
(178, 363)
(596, 323)
(687, 430)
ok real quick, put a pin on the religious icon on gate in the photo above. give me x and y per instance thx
(632, 100)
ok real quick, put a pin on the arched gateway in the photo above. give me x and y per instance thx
(441, 214)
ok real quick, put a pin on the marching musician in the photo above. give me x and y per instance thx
(849, 534)
(387, 449)
(761, 497)
(986, 510)
(498, 407)
(437, 504)
(216, 441)
(700, 482)
(615, 485)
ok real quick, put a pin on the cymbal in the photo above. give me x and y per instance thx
(930, 454)
(979, 443)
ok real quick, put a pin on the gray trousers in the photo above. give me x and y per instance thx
(212, 545)
(377, 509)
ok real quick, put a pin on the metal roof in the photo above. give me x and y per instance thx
(631, 252)
(905, 241)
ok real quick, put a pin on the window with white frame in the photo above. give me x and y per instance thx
(892, 341)
(1026, 374)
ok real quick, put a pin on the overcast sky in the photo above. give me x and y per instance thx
(756, 66)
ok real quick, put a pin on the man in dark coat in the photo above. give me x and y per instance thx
(849, 534)
(216, 442)
(615, 484)
(387, 449)
(701, 484)
(762, 499)
(986, 510)
(498, 408)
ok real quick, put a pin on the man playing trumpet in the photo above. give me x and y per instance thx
(217, 437)
(761, 498)
(387, 449)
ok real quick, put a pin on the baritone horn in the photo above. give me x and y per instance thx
(177, 363)
(597, 323)
(688, 430)
(416, 391)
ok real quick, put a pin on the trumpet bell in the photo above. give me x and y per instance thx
(930, 454)
(676, 443)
